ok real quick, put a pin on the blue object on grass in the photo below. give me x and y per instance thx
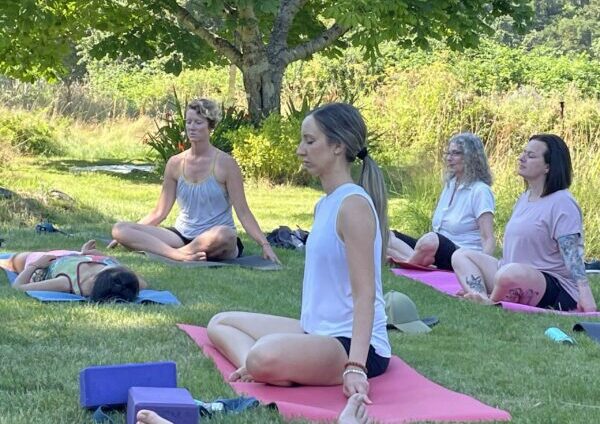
(162, 297)
(557, 335)
(108, 385)
(171, 403)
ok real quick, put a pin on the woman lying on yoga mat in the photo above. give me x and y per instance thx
(206, 182)
(341, 336)
(464, 216)
(87, 273)
(543, 242)
(355, 412)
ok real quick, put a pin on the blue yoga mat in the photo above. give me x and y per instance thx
(162, 297)
(145, 296)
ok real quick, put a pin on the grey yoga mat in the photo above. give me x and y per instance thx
(253, 261)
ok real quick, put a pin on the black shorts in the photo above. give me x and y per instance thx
(376, 365)
(555, 296)
(443, 256)
(187, 241)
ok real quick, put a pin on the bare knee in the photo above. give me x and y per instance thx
(225, 235)
(460, 256)
(263, 362)
(428, 243)
(217, 320)
(120, 229)
(508, 275)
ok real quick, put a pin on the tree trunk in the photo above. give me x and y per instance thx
(263, 90)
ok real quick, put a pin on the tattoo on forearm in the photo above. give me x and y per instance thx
(475, 282)
(572, 253)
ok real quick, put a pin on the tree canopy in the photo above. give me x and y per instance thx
(260, 37)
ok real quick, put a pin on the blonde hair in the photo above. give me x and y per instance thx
(343, 124)
(208, 109)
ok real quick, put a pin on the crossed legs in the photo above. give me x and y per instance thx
(276, 350)
(483, 282)
(219, 242)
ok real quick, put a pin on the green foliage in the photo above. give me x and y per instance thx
(232, 119)
(196, 34)
(29, 134)
(169, 138)
(269, 152)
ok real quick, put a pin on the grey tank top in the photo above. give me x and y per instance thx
(202, 205)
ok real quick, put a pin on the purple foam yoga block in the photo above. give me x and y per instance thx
(175, 405)
(109, 384)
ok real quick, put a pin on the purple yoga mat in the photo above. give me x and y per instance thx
(446, 282)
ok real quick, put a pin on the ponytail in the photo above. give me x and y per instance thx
(342, 123)
(371, 179)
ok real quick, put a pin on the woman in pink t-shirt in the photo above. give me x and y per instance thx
(542, 262)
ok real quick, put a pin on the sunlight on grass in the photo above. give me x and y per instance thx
(499, 357)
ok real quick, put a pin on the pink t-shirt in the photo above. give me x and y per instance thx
(532, 233)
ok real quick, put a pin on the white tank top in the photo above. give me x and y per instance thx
(327, 306)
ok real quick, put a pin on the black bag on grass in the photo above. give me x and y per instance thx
(287, 238)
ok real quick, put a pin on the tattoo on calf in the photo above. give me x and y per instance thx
(572, 253)
(475, 282)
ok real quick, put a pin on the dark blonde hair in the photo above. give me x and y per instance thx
(208, 109)
(343, 124)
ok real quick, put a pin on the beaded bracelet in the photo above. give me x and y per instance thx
(356, 365)
(354, 371)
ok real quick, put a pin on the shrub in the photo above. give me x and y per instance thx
(269, 152)
(29, 133)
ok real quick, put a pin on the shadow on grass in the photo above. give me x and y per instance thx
(137, 176)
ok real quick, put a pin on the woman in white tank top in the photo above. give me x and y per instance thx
(206, 183)
(341, 337)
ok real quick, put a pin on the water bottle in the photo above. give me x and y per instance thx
(211, 407)
(557, 335)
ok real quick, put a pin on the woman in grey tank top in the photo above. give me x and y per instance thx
(206, 183)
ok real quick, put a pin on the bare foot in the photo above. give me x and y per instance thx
(241, 374)
(191, 252)
(355, 411)
(88, 245)
(460, 293)
(478, 298)
(150, 417)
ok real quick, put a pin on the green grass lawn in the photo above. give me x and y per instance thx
(499, 357)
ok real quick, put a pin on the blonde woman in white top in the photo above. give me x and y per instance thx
(341, 336)
(464, 216)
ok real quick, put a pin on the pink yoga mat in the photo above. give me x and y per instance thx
(446, 282)
(400, 395)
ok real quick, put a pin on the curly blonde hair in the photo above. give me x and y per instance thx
(208, 109)
(474, 159)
